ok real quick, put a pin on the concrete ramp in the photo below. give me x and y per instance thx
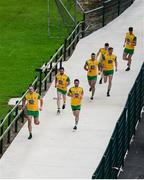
(55, 150)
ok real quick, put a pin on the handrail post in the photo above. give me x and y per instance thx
(1, 141)
(69, 49)
(35, 85)
(50, 77)
(45, 83)
(118, 7)
(83, 26)
(61, 52)
(40, 82)
(103, 19)
(56, 67)
(9, 132)
(65, 49)
(78, 30)
(40, 79)
(73, 44)
(16, 122)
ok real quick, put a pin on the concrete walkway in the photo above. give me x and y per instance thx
(57, 152)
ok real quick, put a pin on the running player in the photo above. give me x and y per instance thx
(102, 51)
(91, 66)
(108, 67)
(61, 83)
(76, 94)
(129, 44)
(32, 108)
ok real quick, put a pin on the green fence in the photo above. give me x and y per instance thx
(14, 120)
(125, 128)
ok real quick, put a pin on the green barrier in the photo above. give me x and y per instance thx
(113, 158)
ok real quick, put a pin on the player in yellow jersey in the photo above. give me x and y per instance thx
(129, 44)
(61, 83)
(91, 66)
(76, 94)
(32, 108)
(101, 52)
(109, 63)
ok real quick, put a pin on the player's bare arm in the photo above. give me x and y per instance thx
(86, 66)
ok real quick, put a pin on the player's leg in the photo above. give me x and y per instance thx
(58, 101)
(125, 53)
(110, 77)
(105, 78)
(64, 101)
(93, 88)
(129, 62)
(76, 114)
(29, 119)
(36, 120)
(101, 72)
(102, 76)
(90, 84)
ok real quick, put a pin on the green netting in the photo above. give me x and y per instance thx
(62, 17)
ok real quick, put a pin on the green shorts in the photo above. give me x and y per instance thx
(61, 91)
(35, 114)
(129, 51)
(92, 78)
(108, 73)
(74, 108)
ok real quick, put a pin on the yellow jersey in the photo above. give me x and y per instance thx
(62, 81)
(32, 101)
(92, 67)
(130, 41)
(103, 51)
(76, 93)
(108, 62)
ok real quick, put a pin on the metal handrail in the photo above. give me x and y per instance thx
(59, 56)
(123, 131)
(44, 67)
(52, 69)
(73, 41)
(74, 30)
(12, 110)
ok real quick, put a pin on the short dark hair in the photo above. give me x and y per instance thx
(110, 48)
(130, 29)
(76, 80)
(93, 54)
(30, 86)
(106, 44)
(61, 68)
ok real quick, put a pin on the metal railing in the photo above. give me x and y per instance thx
(102, 15)
(125, 128)
(9, 126)
(50, 68)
